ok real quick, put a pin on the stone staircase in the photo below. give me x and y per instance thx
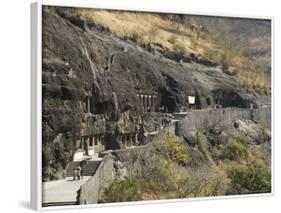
(90, 168)
(71, 167)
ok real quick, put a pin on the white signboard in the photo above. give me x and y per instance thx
(191, 99)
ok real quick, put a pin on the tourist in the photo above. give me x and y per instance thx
(79, 172)
(75, 174)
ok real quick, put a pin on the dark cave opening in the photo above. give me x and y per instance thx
(208, 101)
(111, 142)
(102, 107)
(197, 102)
(168, 102)
(230, 99)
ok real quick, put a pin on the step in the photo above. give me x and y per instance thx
(71, 167)
(89, 168)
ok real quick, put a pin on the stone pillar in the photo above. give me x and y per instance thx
(87, 141)
(131, 140)
(154, 102)
(77, 144)
(145, 102)
(142, 105)
(86, 145)
(99, 141)
(88, 104)
(136, 139)
(123, 141)
(95, 140)
(81, 143)
(149, 102)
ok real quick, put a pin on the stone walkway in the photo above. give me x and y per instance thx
(62, 190)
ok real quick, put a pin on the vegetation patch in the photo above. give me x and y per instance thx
(173, 149)
(249, 179)
(236, 149)
(128, 189)
(203, 147)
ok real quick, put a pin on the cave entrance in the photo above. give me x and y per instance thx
(111, 142)
(197, 101)
(168, 102)
(232, 99)
(102, 107)
(208, 101)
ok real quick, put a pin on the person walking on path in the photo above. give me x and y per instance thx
(75, 174)
(79, 172)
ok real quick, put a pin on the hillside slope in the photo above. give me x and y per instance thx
(84, 60)
(243, 45)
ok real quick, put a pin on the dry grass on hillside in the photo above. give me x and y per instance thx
(145, 28)
(250, 74)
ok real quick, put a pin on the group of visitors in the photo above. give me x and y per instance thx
(78, 173)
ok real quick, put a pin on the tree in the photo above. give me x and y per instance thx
(249, 179)
(174, 150)
(128, 189)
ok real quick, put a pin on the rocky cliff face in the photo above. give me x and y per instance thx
(91, 79)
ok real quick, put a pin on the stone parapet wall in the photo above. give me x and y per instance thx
(263, 116)
(198, 120)
(91, 191)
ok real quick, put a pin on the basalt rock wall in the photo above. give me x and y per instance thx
(84, 63)
(91, 191)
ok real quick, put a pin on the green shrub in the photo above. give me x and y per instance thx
(174, 150)
(249, 179)
(203, 147)
(128, 189)
(236, 149)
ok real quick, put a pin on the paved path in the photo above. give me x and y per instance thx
(62, 190)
